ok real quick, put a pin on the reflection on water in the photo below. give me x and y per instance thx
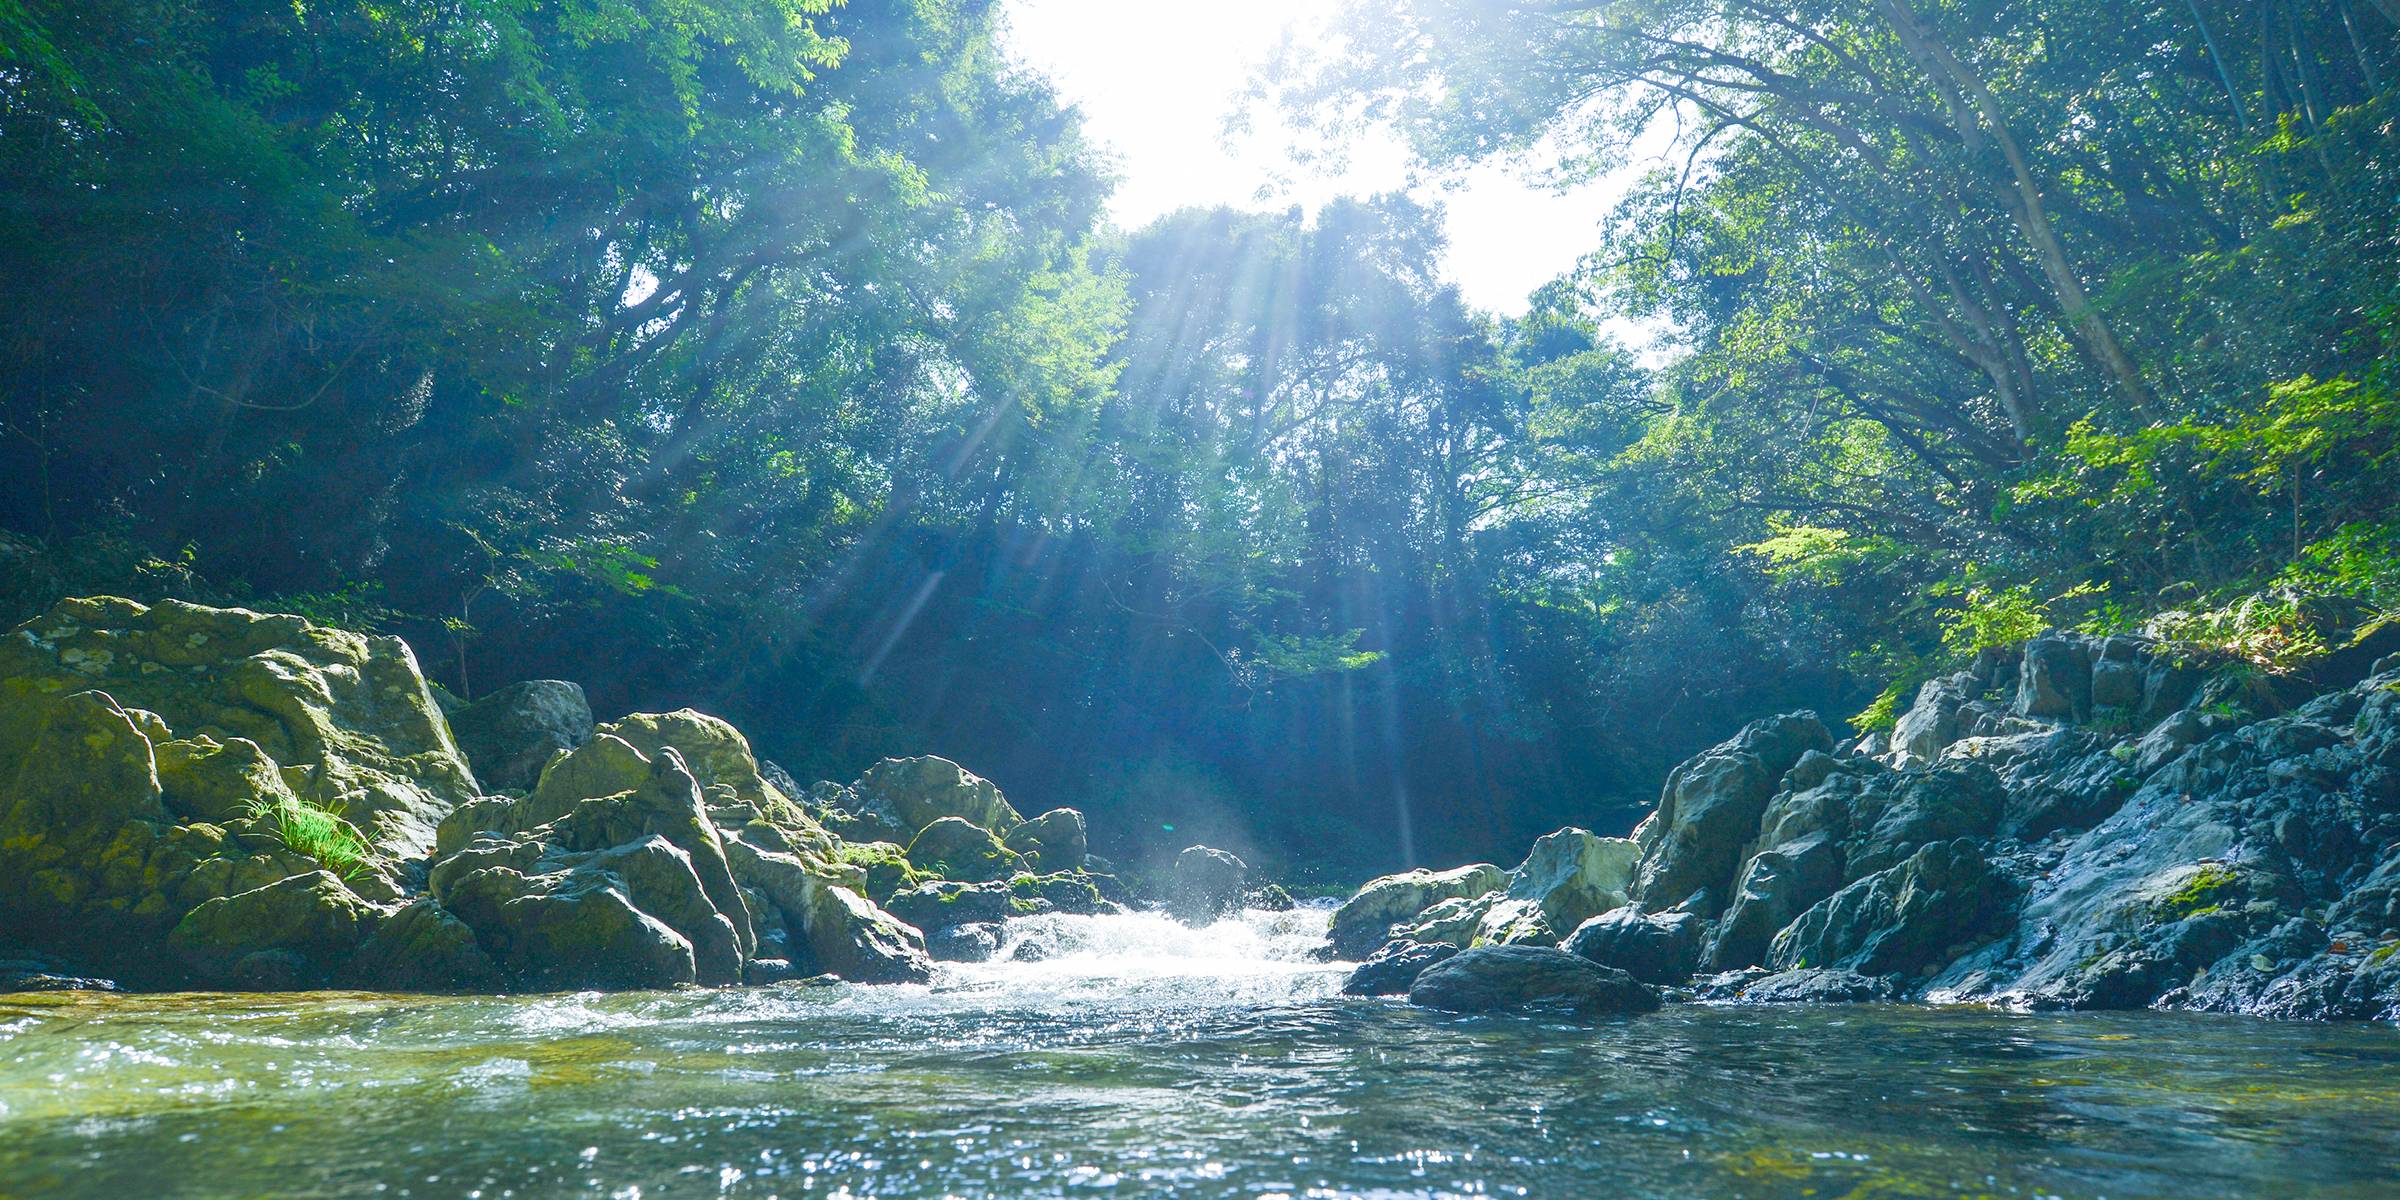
(1129, 1056)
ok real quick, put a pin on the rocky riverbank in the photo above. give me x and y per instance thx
(2075, 823)
(212, 797)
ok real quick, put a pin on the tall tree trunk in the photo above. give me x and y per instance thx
(2216, 56)
(2032, 214)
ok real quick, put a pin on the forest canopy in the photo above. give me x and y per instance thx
(774, 357)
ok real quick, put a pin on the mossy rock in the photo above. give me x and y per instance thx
(1060, 891)
(954, 848)
(312, 918)
(885, 866)
(348, 719)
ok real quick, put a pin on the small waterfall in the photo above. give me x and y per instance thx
(1253, 957)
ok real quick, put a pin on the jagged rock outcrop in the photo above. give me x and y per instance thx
(2082, 822)
(1710, 810)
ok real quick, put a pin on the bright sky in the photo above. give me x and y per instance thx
(1156, 80)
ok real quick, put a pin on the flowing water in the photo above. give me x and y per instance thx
(1132, 1057)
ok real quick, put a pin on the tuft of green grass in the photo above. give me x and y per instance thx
(318, 832)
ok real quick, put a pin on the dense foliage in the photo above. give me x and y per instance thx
(2000, 313)
(768, 356)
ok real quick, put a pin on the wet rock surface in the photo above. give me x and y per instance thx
(1529, 979)
(2077, 823)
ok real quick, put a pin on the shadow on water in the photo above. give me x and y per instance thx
(1128, 1056)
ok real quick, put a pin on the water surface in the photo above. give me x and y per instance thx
(1137, 1058)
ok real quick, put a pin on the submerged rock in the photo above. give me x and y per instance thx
(1206, 885)
(1810, 985)
(1529, 979)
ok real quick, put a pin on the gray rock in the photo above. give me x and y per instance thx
(1206, 884)
(1053, 841)
(971, 943)
(511, 734)
(1903, 919)
(1529, 979)
(1656, 949)
(1365, 920)
(1567, 878)
(1932, 722)
(1775, 888)
(1392, 970)
(2056, 679)
(919, 791)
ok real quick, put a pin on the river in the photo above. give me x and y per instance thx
(1129, 1056)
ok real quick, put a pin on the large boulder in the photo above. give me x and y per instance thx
(725, 867)
(1567, 878)
(1206, 884)
(157, 757)
(1902, 920)
(738, 794)
(1364, 921)
(423, 948)
(1660, 948)
(954, 848)
(553, 926)
(1053, 841)
(1460, 921)
(839, 932)
(916, 792)
(511, 734)
(1529, 979)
